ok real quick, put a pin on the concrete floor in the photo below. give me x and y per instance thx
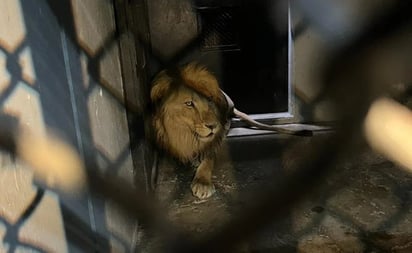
(364, 205)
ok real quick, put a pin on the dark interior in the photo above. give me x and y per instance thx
(244, 43)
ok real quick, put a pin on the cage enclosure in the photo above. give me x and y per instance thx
(84, 70)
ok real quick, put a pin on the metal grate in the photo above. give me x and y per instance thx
(219, 28)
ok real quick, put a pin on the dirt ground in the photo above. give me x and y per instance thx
(364, 205)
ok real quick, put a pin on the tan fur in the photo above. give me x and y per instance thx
(189, 120)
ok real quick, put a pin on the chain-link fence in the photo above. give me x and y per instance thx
(83, 69)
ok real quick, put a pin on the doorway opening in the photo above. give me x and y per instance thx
(246, 44)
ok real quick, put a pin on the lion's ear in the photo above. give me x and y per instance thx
(160, 86)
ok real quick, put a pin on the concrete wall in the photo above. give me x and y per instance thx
(62, 72)
(309, 54)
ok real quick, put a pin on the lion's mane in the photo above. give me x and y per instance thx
(182, 142)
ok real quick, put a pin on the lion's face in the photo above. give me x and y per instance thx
(187, 123)
(192, 112)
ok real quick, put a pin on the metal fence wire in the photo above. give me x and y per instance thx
(356, 31)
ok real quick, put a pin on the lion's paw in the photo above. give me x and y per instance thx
(202, 190)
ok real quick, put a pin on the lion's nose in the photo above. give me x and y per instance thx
(211, 126)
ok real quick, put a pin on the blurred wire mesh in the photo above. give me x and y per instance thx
(369, 57)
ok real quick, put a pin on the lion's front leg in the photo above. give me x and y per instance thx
(202, 186)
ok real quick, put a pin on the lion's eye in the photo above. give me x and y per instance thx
(189, 103)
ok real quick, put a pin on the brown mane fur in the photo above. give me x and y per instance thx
(174, 125)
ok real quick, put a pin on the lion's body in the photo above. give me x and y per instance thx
(189, 120)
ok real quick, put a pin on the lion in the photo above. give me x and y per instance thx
(190, 120)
